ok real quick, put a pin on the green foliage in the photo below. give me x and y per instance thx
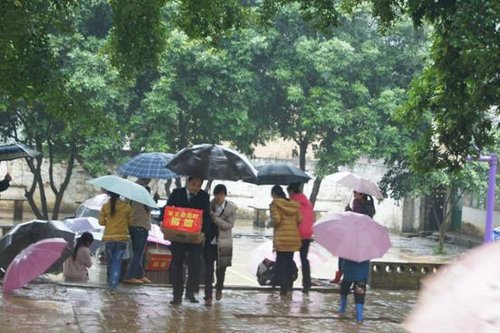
(26, 60)
(321, 14)
(196, 99)
(213, 19)
(138, 35)
(460, 88)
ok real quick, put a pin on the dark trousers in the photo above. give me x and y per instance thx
(210, 255)
(283, 270)
(359, 288)
(138, 236)
(306, 268)
(181, 251)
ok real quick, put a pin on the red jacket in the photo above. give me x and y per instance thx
(307, 212)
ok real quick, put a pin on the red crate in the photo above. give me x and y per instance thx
(158, 259)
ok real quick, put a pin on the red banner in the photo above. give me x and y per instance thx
(183, 219)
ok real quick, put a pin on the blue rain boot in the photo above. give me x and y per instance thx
(359, 312)
(342, 305)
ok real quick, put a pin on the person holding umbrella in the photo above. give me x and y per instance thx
(115, 216)
(285, 217)
(191, 196)
(75, 268)
(305, 230)
(363, 204)
(218, 242)
(139, 227)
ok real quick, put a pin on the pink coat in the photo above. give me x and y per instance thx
(307, 212)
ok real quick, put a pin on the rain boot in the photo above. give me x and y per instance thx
(338, 276)
(343, 304)
(359, 312)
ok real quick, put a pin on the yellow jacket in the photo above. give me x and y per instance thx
(286, 218)
(116, 226)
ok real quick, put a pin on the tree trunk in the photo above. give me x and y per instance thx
(315, 190)
(449, 203)
(37, 181)
(59, 193)
(302, 155)
(168, 183)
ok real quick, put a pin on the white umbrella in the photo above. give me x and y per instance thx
(357, 183)
(461, 297)
(125, 188)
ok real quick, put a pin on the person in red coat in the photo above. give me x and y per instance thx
(305, 229)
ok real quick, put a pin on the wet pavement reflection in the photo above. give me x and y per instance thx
(72, 308)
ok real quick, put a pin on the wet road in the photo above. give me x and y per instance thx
(59, 307)
(63, 308)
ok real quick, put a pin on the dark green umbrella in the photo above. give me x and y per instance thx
(12, 151)
(280, 174)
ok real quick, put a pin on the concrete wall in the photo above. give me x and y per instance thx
(477, 218)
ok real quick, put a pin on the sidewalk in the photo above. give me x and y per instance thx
(90, 308)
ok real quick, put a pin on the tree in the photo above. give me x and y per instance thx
(459, 89)
(332, 91)
(26, 58)
(65, 121)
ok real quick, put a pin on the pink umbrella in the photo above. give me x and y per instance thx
(317, 255)
(32, 262)
(461, 297)
(357, 183)
(352, 236)
(156, 236)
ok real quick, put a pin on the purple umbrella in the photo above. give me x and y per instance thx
(32, 262)
(352, 236)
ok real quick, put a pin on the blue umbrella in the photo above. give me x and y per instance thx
(148, 165)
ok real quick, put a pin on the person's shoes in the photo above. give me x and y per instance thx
(208, 302)
(190, 297)
(176, 301)
(133, 281)
(305, 290)
(146, 280)
(111, 291)
(218, 295)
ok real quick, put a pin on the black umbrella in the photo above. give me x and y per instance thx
(11, 151)
(24, 234)
(280, 174)
(210, 161)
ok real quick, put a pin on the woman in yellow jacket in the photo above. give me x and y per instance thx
(286, 239)
(115, 216)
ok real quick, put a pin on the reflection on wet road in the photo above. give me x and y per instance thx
(53, 308)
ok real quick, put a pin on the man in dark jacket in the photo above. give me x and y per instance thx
(191, 196)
